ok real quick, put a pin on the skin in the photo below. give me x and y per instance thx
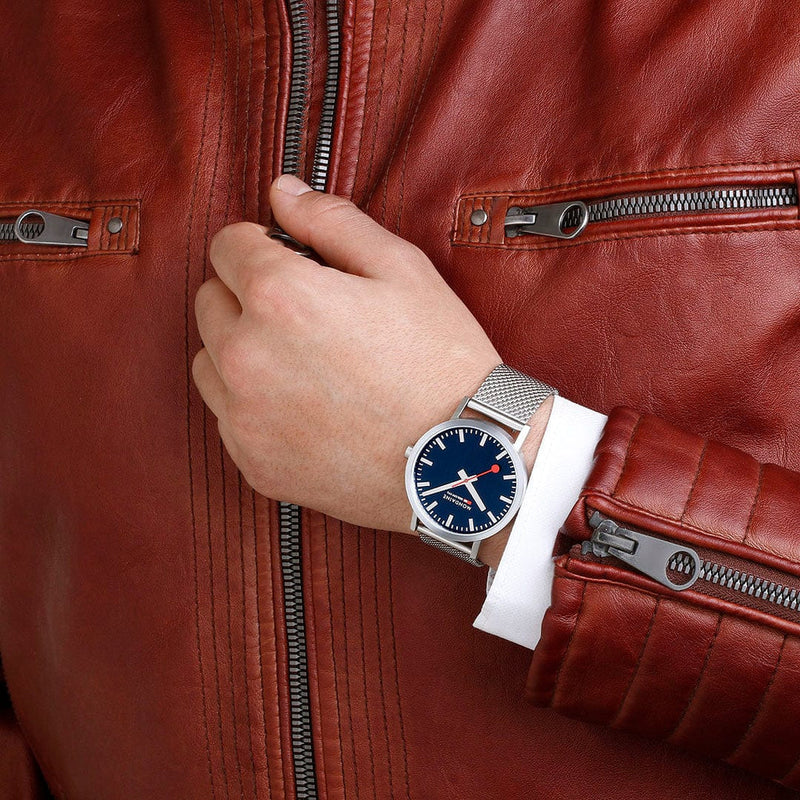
(320, 377)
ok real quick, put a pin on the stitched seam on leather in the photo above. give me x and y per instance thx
(333, 648)
(367, 77)
(637, 665)
(418, 105)
(696, 477)
(212, 584)
(363, 666)
(563, 661)
(376, 123)
(195, 543)
(396, 104)
(230, 615)
(634, 431)
(761, 706)
(396, 670)
(755, 502)
(755, 227)
(251, 47)
(345, 650)
(380, 656)
(244, 629)
(665, 172)
(693, 695)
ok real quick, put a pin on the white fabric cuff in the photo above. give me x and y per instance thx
(519, 593)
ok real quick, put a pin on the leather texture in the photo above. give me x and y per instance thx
(141, 621)
(715, 675)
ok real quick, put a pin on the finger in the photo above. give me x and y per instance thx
(243, 252)
(342, 234)
(209, 384)
(217, 311)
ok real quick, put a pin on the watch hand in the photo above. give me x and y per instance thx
(472, 490)
(468, 479)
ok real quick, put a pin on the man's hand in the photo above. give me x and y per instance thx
(321, 376)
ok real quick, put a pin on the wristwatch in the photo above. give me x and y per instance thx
(465, 478)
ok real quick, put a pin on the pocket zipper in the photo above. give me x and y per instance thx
(568, 220)
(40, 227)
(736, 580)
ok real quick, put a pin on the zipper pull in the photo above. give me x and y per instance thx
(558, 220)
(644, 553)
(56, 230)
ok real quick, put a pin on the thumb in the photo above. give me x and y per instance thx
(343, 235)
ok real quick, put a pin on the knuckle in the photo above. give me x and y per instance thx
(273, 296)
(235, 364)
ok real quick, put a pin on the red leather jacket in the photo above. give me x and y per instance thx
(154, 643)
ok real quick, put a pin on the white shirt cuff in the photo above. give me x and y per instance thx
(519, 593)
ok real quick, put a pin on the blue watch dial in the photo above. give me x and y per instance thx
(465, 479)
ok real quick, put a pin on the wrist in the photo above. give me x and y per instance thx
(492, 549)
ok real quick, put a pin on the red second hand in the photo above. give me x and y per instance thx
(493, 468)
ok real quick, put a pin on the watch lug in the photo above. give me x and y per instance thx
(523, 434)
(414, 522)
(460, 410)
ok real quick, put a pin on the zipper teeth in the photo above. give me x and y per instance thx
(298, 89)
(299, 707)
(32, 230)
(699, 201)
(322, 152)
(739, 581)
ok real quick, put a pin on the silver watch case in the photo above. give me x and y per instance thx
(422, 517)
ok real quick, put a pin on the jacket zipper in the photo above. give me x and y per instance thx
(567, 220)
(679, 567)
(290, 514)
(39, 227)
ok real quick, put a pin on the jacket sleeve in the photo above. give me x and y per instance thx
(675, 601)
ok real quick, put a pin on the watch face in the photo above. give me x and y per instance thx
(465, 479)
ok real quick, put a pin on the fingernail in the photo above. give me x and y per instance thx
(291, 185)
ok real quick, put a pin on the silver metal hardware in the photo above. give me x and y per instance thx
(646, 554)
(279, 235)
(555, 220)
(464, 552)
(478, 216)
(509, 396)
(114, 225)
(56, 230)
(568, 220)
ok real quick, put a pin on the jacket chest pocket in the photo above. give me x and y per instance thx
(66, 230)
(700, 200)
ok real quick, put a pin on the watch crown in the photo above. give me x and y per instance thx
(408, 452)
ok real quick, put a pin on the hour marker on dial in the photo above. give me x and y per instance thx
(492, 517)
(438, 441)
(471, 524)
(483, 439)
(432, 505)
(426, 462)
(505, 499)
(449, 521)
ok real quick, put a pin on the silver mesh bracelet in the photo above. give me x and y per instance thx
(509, 397)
